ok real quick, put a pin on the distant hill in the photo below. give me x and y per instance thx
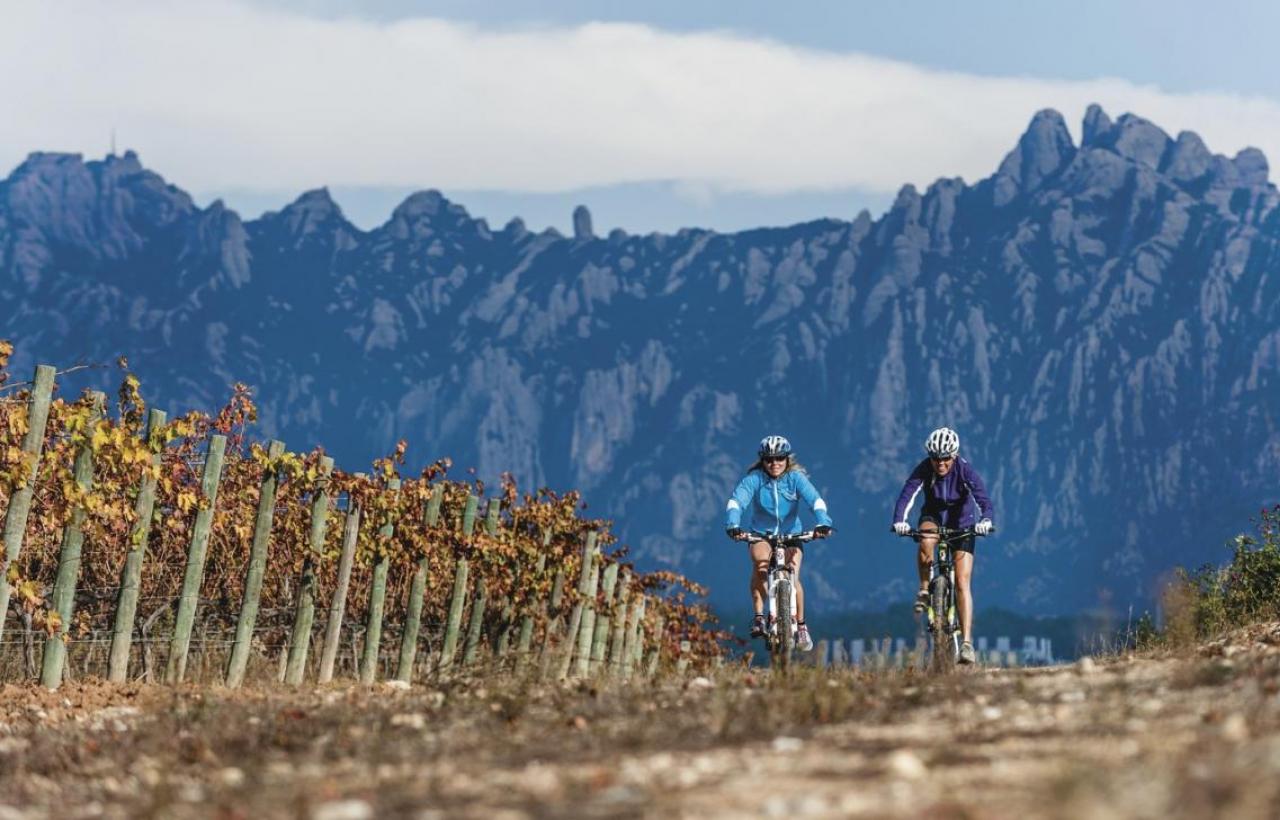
(1100, 321)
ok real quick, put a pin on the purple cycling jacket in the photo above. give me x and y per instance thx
(949, 499)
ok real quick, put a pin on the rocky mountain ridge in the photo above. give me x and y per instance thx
(1098, 320)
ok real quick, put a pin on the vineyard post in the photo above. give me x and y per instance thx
(526, 621)
(476, 624)
(248, 618)
(637, 655)
(64, 588)
(586, 581)
(305, 613)
(619, 623)
(338, 604)
(15, 517)
(189, 598)
(459, 600)
(600, 637)
(413, 620)
(682, 665)
(507, 621)
(586, 631)
(377, 598)
(634, 628)
(131, 575)
(552, 625)
(656, 653)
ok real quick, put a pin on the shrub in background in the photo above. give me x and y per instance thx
(1205, 602)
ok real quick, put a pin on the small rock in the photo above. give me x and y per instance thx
(343, 810)
(907, 765)
(231, 776)
(396, 685)
(538, 780)
(991, 713)
(1234, 729)
(1072, 696)
(411, 720)
(1086, 665)
(787, 744)
(9, 745)
(700, 683)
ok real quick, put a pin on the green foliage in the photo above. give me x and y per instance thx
(1210, 600)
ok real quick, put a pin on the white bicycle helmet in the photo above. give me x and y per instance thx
(942, 443)
(774, 446)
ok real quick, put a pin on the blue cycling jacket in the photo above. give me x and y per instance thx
(949, 499)
(773, 504)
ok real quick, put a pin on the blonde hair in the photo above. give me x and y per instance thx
(792, 464)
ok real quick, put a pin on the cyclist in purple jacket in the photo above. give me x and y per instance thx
(951, 488)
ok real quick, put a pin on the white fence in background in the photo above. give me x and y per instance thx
(885, 652)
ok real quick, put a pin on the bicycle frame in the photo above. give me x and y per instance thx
(780, 589)
(944, 628)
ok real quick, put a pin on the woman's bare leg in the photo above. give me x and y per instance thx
(794, 558)
(964, 596)
(759, 574)
(924, 557)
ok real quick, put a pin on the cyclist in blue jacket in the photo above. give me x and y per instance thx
(770, 493)
(952, 488)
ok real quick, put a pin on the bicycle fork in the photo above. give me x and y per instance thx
(775, 577)
(942, 601)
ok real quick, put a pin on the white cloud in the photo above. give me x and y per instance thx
(224, 95)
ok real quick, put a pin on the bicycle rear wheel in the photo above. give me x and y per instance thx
(783, 639)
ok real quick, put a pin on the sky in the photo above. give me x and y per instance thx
(656, 115)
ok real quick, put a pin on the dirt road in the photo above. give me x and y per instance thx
(1159, 737)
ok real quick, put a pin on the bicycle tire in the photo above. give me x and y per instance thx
(783, 640)
(943, 653)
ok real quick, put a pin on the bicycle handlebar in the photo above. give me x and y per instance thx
(947, 532)
(775, 540)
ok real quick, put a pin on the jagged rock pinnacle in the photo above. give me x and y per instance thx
(582, 223)
(1042, 151)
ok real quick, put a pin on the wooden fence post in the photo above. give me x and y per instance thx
(552, 625)
(634, 632)
(621, 606)
(682, 665)
(15, 516)
(459, 600)
(305, 612)
(189, 599)
(64, 588)
(248, 618)
(377, 600)
(476, 624)
(131, 574)
(338, 603)
(655, 654)
(413, 620)
(525, 641)
(600, 635)
(586, 581)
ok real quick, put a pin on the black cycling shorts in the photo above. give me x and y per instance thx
(965, 544)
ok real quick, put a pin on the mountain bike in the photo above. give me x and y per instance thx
(780, 590)
(944, 628)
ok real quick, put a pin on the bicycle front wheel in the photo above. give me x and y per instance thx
(944, 649)
(783, 639)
